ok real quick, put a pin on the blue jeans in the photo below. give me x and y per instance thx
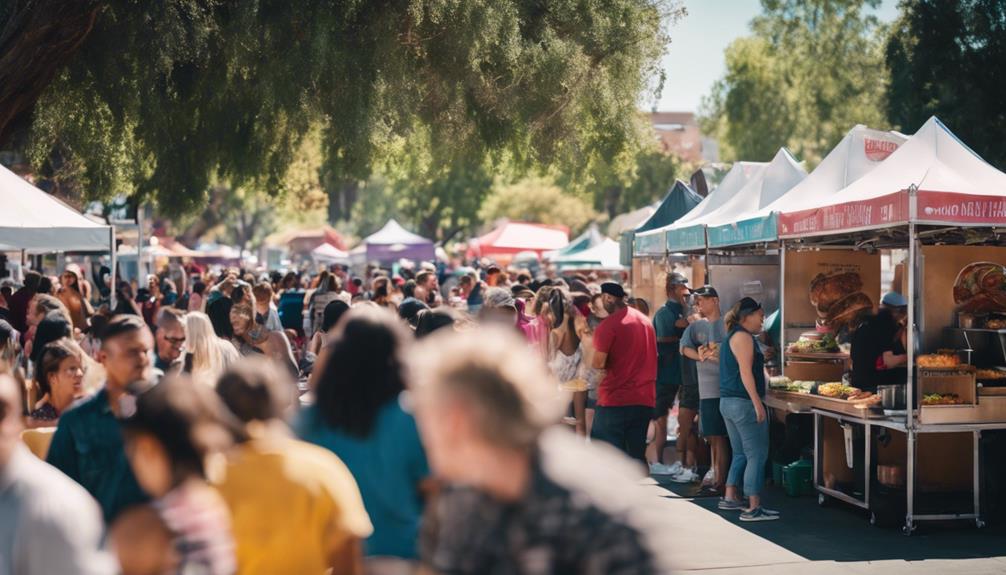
(749, 442)
(623, 426)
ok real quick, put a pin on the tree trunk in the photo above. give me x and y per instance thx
(612, 199)
(37, 38)
(341, 197)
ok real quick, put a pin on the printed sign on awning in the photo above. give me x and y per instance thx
(874, 212)
(687, 239)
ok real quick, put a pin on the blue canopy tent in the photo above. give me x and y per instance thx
(680, 200)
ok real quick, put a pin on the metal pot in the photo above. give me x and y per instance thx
(891, 475)
(892, 396)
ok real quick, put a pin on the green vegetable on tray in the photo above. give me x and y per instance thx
(827, 344)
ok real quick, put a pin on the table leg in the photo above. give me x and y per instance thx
(910, 484)
(976, 471)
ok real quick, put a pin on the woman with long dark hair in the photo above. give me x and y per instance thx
(358, 416)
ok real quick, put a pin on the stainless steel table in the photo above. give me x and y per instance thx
(898, 424)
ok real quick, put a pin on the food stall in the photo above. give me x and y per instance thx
(650, 259)
(937, 202)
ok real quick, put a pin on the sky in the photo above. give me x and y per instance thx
(694, 60)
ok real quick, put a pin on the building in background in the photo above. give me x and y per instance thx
(679, 135)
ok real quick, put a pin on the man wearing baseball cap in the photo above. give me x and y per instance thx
(626, 347)
(669, 323)
(700, 343)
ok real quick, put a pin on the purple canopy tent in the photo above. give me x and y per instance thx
(393, 242)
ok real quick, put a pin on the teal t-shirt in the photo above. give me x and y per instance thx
(388, 467)
(668, 354)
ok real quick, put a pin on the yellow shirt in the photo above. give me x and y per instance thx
(292, 504)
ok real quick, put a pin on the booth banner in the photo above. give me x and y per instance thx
(650, 244)
(874, 212)
(763, 229)
(686, 239)
(961, 208)
(829, 287)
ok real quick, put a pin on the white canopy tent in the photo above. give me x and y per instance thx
(951, 186)
(35, 221)
(328, 254)
(778, 177)
(859, 152)
(736, 178)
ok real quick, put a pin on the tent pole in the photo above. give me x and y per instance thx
(113, 265)
(912, 266)
(782, 308)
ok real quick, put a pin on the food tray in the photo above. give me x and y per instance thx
(854, 408)
(838, 355)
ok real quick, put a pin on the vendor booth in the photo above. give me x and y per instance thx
(602, 257)
(33, 221)
(512, 238)
(391, 244)
(647, 249)
(588, 239)
(898, 433)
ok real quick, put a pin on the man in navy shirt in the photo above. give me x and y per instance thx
(87, 445)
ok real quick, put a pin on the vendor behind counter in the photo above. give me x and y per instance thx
(878, 351)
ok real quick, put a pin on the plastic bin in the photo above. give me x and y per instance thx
(797, 478)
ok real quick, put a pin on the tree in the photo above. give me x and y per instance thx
(160, 99)
(946, 59)
(811, 70)
(537, 200)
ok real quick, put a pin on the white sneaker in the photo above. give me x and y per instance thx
(662, 469)
(686, 476)
(710, 478)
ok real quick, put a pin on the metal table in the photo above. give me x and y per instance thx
(898, 424)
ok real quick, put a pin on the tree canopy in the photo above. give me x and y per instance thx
(946, 59)
(811, 70)
(162, 99)
(537, 200)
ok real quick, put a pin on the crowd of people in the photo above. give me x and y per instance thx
(382, 423)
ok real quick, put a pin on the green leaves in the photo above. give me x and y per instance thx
(811, 70)
(946, 59)
(165, 97)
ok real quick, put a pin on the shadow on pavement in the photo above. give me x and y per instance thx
(840, 532)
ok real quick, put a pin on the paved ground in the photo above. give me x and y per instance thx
(835, 539)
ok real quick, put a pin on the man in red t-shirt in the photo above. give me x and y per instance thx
(626, 347)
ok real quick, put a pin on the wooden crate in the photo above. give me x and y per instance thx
(958, 380)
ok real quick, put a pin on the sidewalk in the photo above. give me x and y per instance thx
(836, 539)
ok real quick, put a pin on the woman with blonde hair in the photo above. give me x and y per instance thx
(207, 356)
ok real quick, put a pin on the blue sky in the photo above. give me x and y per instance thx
(695, 58)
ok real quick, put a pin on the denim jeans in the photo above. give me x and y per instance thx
(749, 442)
(623, 426)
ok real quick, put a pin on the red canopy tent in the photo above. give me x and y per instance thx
(512, 238)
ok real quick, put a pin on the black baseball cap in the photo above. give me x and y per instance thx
(705, 291)
(676, 279)
(747, 306)
(613, 289)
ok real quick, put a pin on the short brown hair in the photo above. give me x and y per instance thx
(255, 390)
(170, 316)
(262, 291)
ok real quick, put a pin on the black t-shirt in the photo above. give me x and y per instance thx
(871, 339)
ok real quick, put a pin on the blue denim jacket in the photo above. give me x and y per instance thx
(88, 447)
